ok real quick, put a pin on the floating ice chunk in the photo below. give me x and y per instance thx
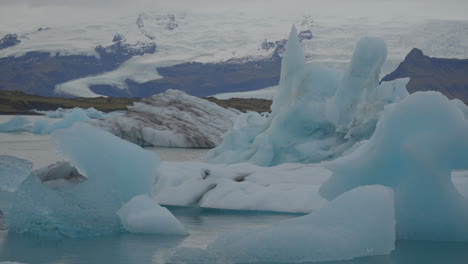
(15, 124)
(116, 170)
(172, 119)
(142, 215)
(417, 144)
(359, 223)
(43, 127)
(13, 172)
(284, 188)
(317, 113)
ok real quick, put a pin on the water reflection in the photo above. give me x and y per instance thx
(204, 226)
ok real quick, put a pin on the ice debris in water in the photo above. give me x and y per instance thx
(142, 215)
(359, 223)
(15, 124)
(416, 145)
(43, 127)
(116, 170)
(172, 119)
(13, 172)
(317, 113)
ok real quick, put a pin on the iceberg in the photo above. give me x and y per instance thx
(13, 172)
(172, 119)
(417, 144)
(358, 223)
(142, 215)
(317, 113)
(15, 124)
(290, 188)
(116, 171)
(76, 115)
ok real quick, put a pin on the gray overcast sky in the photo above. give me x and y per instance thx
(444, 9)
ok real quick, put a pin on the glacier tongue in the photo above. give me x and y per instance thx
(172, 119)
(317, 113)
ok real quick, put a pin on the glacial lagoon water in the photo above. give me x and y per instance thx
(204, 225)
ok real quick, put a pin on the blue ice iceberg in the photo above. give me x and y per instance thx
(116, 170)
(317, 113)
(13, 172)
(416, 145)
(15, 124)
(43, 127)
(359, 223)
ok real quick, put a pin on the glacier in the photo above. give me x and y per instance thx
(89, 208)
(417, 144)
(172, 119)
(317, 113)
(358, 223)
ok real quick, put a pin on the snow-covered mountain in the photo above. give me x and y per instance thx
(236, 51)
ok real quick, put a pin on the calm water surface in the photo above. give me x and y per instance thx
(204, 226)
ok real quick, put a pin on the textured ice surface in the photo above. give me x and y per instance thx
(417, 144)
(90, 112)
(359, 223)
(15, 124)
(172, 119)
(59, 174)
(44, 127)
(13, 171)
(317, 113)
(142, 215)
(285, 188)
(116, 170)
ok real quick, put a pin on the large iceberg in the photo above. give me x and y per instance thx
(116, 171)
(416, 145)
(172, 119)
(359, 223)
(317, 113)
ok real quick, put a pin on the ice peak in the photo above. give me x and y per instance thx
(293, 55)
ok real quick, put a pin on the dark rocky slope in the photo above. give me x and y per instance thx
(448, 76)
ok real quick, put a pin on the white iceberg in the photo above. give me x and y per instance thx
(317, 113)
(142, 215)
(416, 145)
(172, 119)
(285, 188)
